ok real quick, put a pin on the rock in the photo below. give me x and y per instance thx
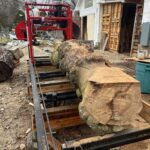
(7, 127)
(31, 104)
(21, 93)
(17, 147)
(22, 146)
(29, 130)
(2, 109)
(20, 101)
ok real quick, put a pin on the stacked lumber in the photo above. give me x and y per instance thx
(111, 99)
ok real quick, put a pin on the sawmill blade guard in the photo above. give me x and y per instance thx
(21, 32)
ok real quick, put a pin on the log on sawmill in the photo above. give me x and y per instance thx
(8, 60)
(111, 99)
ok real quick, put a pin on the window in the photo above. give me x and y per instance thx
(88, 3)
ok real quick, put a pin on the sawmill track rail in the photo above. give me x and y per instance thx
(56, 123)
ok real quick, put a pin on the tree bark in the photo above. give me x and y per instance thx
(6, 64)
(111, 99)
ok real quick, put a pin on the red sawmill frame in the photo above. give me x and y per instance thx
(29, 26)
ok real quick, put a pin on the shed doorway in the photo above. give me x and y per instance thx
(118, 23)
(127, 25)
(85, 28)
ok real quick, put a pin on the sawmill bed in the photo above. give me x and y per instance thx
(61, 104)
(55, 122)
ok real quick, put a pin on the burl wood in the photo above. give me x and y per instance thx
(111, 99)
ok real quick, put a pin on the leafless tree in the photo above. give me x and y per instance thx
(8, 11)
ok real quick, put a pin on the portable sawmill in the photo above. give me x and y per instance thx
(63, 118)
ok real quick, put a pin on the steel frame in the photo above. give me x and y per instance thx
(112, 142)
(104, 144)
(41, 133)
(30, 26)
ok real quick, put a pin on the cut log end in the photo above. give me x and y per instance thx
(111, 100)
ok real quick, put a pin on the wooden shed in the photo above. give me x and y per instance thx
(122, 24)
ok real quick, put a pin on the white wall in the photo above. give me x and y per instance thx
(90, 26)
(95, 12)
(97, 26)
(85, 11)
(109, 1)
(146, 11)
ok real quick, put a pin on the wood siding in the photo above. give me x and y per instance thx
(111, 22)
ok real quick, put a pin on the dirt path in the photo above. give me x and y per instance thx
(15, 111)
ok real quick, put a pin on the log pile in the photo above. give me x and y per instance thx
(8, 60)
(111, 99)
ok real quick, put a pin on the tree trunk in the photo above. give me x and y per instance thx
(111, 99)
(6, 64)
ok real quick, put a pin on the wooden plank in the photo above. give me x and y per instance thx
(51, 71)
(65, 122)
(111, 24)
(61, 109)
(145, 113)
(111, 75)
(105, 15)
(59, 81)
(57, 88)
(105, 43)
(57, 144)
(106, 18)
(54, 88)
(60, 123)
(105, 24)
(145, 60)
(45, 68)
(60, 115)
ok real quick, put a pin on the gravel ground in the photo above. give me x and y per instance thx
(15, 111)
